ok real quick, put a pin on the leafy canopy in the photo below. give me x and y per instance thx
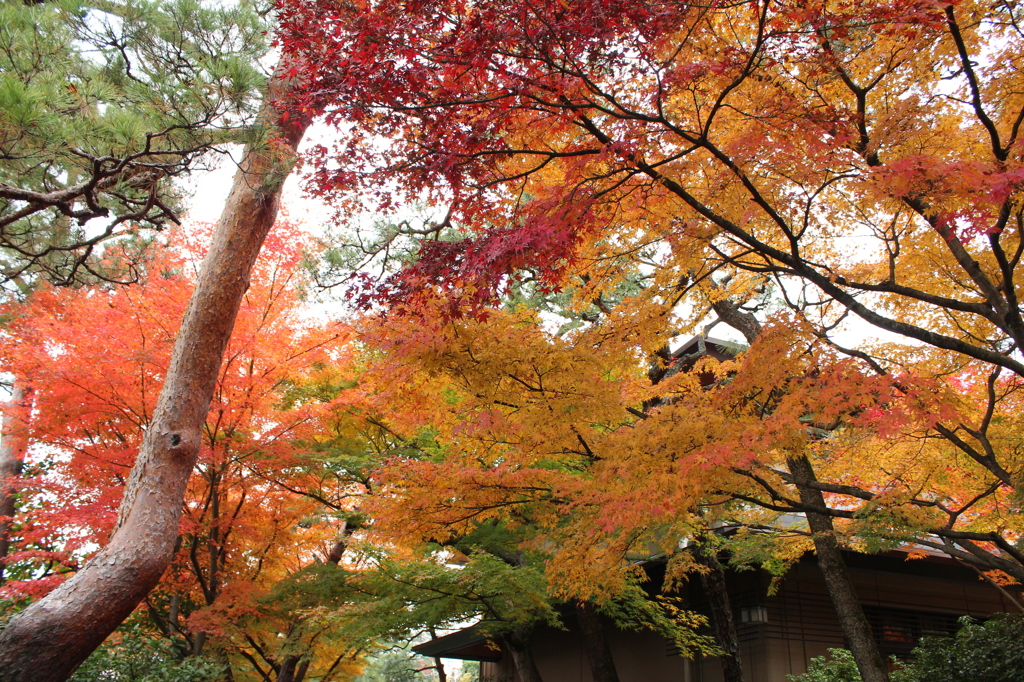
(779, 167)
(261, 505)
(103, 105)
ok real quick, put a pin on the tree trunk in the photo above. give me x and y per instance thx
(13, 444)
(830, 560)
(286, 671)
(47, 641)
(300, 672)
(442, 676)
(518, 643)
(722, 623)
(595, 644)
(341, 544)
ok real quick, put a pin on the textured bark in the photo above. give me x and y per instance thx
(47, 641)
(595, 644)
(722, 623)
(855, 624)
(341, 544)
(13, 443)
(518, 644)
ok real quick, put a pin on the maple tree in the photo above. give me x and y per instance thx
(545, 431)
(411, 581)
(260, 506)
(793, 162)
(514, 420)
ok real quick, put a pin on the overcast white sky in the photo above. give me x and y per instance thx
(210, 190)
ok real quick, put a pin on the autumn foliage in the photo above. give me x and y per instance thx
(838, 182)
(259, 504)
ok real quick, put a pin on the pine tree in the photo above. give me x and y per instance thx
(102, 105)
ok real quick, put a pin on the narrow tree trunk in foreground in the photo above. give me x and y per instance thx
(518, 643)
(830, 560)
(722, 623)
(13, 443)
(47, 641)
(595, 644)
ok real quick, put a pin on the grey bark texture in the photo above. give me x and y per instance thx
(47, 641)
(855, 624)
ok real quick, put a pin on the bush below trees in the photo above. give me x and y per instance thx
(982, 652)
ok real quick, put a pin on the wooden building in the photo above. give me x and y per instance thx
(905, 599)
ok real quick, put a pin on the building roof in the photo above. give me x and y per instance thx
(468, 644)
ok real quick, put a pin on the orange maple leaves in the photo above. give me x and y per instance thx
(95, 360)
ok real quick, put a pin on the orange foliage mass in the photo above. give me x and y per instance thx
(94, 359)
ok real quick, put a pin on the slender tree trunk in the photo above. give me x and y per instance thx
(830, 560)
(518, 644)
(213, 541)
(47, 641)
(595, 644)
(13, 444)
(442, 676)
(722, 623)
(341, 544)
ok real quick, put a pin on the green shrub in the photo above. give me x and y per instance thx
(838, 666)
(980, 652)
(134, 655)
